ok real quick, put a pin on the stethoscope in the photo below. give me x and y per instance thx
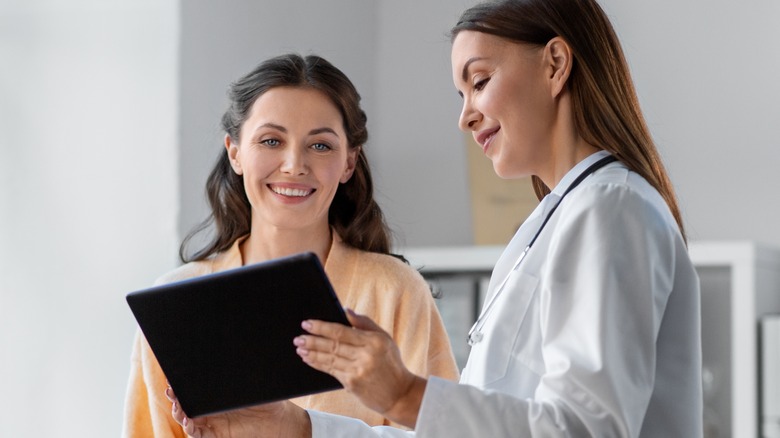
(475, 334)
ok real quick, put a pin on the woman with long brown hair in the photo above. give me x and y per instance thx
(591, 321)
(293, 177)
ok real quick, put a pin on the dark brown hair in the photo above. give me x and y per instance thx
(354, 213)
(605, 105)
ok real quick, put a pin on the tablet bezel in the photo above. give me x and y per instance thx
(225, 340)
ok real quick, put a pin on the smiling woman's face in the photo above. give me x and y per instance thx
(507, 103)
(292, 155)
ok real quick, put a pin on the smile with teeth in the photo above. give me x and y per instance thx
(286, 191)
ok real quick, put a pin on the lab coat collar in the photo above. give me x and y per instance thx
(575, 171)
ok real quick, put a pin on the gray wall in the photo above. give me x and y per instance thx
(706, 81)
(221, 41)
(706, 73)
(396, 53)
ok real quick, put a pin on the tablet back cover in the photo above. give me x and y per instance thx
(224, 340)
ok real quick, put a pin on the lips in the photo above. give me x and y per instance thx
(485, 137)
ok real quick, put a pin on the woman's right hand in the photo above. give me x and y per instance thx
(367, 362)
(268, 420)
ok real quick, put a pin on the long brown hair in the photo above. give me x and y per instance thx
(354, 213)
(605, 106)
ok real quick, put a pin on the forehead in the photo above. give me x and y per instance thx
(470, 46)
(295, 107)
(279, 99)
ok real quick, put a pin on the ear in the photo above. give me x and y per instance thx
(559, 60)
(352, 157)
(232, 151)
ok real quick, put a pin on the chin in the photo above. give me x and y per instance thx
(502, 171)
(505, 172)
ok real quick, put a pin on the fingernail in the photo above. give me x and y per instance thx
(306, 325)
(351, 312)
(299, 341)
(302, 352)
(175, 407)
(168, 392)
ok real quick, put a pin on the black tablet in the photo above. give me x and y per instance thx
(225, 340)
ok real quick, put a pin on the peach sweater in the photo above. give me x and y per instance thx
(390, 292)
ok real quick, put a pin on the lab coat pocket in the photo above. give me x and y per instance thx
(508, 329)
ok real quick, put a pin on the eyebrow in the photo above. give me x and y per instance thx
(465, 74)
(272, 126)
(283, 129)
(321, 130)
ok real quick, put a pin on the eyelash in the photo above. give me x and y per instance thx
(269, 140)
(318, 147)
(479, 85)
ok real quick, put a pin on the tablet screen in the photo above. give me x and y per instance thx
(225, 340)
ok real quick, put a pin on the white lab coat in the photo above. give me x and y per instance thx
(595, 333)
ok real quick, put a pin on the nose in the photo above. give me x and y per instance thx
(469, 116)
(294, 161)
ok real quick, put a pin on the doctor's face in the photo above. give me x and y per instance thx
(506, 103)
(292, 155)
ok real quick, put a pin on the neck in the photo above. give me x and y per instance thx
(269, 242)
(567, 147)
(562, 163)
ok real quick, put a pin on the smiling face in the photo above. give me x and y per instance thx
(507, 103)
(292, 155)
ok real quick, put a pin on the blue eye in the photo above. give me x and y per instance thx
(271, 142)
(322, 147)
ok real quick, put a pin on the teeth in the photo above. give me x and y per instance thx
(290, 192)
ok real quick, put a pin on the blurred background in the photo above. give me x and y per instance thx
(109, 124)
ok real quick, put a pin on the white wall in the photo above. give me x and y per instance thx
(89, 192)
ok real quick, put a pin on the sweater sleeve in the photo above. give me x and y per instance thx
(147, 410)
(417, 327)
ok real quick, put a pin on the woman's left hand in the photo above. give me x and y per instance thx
(367, 362)
(268, 420)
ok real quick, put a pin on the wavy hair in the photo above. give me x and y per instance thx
(605, 106)
(354, 213)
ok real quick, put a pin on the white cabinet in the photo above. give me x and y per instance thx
(740, 284)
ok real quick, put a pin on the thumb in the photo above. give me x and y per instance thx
(362, 322)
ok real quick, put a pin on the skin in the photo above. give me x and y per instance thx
(293, 141)
(517, 105)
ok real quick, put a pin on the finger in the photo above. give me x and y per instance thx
(324, 345)
(190, 429)
(328, 363)
(331, 330)
(177, 413)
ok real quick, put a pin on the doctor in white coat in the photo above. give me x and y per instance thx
(591, 323)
